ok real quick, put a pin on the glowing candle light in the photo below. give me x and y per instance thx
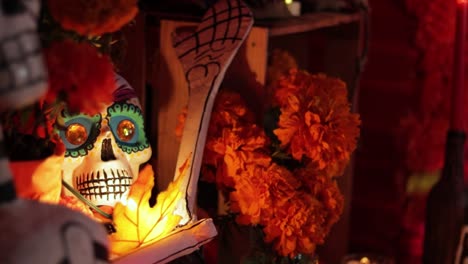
(294, 7)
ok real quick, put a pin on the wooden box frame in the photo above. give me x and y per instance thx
(321, 42)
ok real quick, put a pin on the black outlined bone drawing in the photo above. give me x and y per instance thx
(205, 56)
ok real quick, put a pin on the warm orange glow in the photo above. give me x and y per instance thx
(461, 2)
(138, 224)
(364, 260)
(126, 130)
(39, 180)
(76, 134)
(130, 203)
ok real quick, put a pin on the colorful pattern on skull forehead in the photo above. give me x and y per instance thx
(124, 91)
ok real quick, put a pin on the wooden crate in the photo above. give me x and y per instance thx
(321, 42)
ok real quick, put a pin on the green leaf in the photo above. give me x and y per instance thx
(270, 122)
(280, 155)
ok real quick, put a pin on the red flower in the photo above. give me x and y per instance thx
(93, 17)
(80, 75)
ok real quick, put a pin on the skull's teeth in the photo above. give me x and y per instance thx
(104, 185)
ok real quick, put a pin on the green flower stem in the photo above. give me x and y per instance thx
(86, 201)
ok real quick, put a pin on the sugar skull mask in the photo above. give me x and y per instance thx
(104, 152)
(22, 74)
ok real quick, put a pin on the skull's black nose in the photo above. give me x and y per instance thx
(107, 153)
(12, 7)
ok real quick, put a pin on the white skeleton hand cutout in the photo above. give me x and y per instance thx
(205, 56)
(22, 74)
(104, 152)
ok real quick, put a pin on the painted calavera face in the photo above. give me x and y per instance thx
(22, 74)
(104, 152)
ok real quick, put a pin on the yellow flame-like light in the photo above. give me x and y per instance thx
(365, 260)
(137, 223)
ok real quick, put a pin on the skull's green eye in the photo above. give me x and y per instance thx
(79, 133)
(126, 123)
(126, 130)
(76, 134)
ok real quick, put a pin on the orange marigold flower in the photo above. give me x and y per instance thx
(291, 83)
(84, 88)
(251, 195)
(235, 148)
(303, 207)
(93, 17)
(230, 114)
(229, 110)
(325, 190)
(244, 151)
(303, 220)
(296, 226)
(316, 122)
(258, 189)
(283, 184)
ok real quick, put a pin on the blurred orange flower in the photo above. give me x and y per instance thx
(83, 88)
(74, 84)
(93, 17)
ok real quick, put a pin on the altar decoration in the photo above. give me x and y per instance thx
(93, 118)
(280, 176)
(98, 174)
